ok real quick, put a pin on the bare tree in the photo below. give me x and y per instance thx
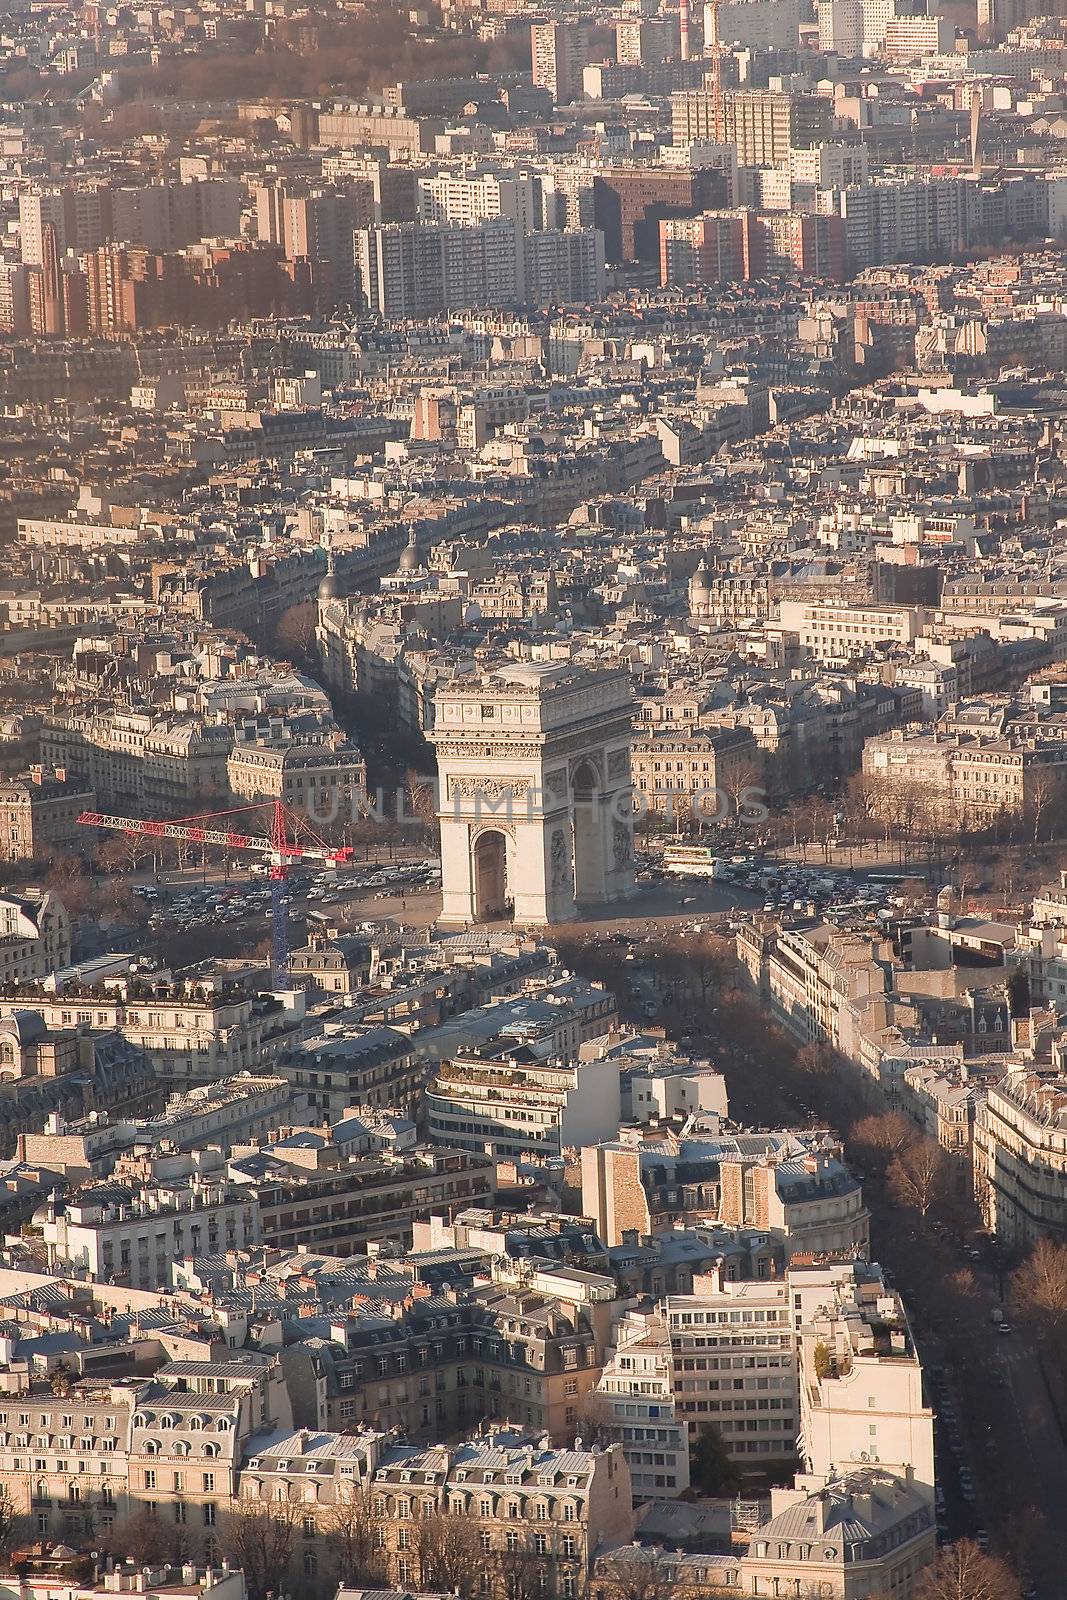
(904, 807)
(595, 1422)
(85, 1519)
(259, 1537)
(421, 801)
(147, 1539)
(448, 1553)
(919, 1177)
(641, 1572)
(710, 961)
(964, 1572)
(963, 1283)
(862, 804)
(14, 1527)
(815, 1059)
(294, 633)
(111, 855)
(637, 1573)
(879, 1139)
(121, 905)
(819, 821)
(66, 877)
(1025, 1535)
(351, 1529)
(138, 847)
(909, 807)
(1043, 791)
(747, 783)
(181, 852)
(1039, 1290)
(519, 1575)
(699, 964)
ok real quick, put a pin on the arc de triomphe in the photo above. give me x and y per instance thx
(534, 792)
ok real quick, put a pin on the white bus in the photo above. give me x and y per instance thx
(690, 860)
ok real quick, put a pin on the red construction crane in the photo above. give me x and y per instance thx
(282, 846)
(713, 49)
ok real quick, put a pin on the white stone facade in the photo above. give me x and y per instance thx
(534, 794)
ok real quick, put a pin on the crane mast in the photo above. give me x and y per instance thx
(712, 48)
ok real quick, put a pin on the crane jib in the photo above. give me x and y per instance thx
(152, 828)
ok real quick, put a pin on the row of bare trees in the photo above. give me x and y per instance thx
(444, 1554)
(898, 806)
(279, 1543)
(1039, 1294)
(267, 1540)
(961, 1571)
(898, 812)
(919, 1175)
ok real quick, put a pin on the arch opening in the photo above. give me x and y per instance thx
(585, 825)
(490, 858)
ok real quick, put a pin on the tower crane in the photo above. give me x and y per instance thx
(282, 846)
(713, 49)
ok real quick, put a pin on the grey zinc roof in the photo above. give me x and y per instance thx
(306, 1445)
(837, 1516)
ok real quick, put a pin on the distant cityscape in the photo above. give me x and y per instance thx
(533, 762)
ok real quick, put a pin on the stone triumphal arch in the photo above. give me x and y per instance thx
(534, 793)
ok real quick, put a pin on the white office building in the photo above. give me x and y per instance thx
(518, 1105)
(636, 1396)
(735, 1366)
(861, 1381)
